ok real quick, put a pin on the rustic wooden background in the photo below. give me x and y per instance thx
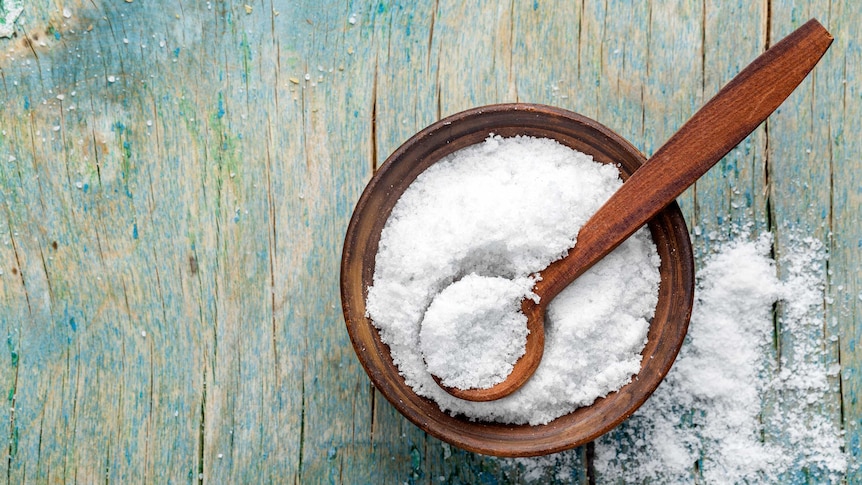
(176, 179)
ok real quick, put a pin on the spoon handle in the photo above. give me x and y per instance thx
(741, 105)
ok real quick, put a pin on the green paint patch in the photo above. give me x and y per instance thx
(187, 114)
(415, 464)
(54, 32)
(12, 351)
(245, 48)
(227, 155)
(9, 12)
(127, 167)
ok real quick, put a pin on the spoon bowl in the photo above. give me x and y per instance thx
(667, 329)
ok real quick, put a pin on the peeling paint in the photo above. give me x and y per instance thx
(9, 12)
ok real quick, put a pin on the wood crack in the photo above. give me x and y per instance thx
(374, 164)
(202, 429)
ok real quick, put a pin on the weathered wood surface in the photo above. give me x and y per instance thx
(176, 179)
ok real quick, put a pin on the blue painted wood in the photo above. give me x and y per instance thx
(176, 179)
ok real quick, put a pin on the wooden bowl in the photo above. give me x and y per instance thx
(666, 332)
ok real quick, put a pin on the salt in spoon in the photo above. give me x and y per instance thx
(721, 124)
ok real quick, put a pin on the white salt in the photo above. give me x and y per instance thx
(506, 208)
(711, 421)
(709, 417)
(473, 331)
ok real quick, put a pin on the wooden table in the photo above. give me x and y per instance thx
(176, 178)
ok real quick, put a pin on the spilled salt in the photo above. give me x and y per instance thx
(501, 211)
(726, 412)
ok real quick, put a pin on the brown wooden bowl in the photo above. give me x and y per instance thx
(442, 138)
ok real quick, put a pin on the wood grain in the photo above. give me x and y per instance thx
(801, 171)
(245, 373)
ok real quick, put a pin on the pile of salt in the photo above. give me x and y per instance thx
(505, 209)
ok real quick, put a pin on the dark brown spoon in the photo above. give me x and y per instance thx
(745, 102)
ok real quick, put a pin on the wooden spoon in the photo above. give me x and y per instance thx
(720, 125)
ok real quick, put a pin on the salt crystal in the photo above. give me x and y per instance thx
(111, 79)
(67, 13)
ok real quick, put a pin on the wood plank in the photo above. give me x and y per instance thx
(730, 200)
(799, 164)
(844, 290)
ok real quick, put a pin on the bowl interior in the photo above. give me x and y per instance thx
(666, 332)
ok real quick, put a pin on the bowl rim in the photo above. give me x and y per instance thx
(397, 392)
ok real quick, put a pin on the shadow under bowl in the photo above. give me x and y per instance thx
(667, 329)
